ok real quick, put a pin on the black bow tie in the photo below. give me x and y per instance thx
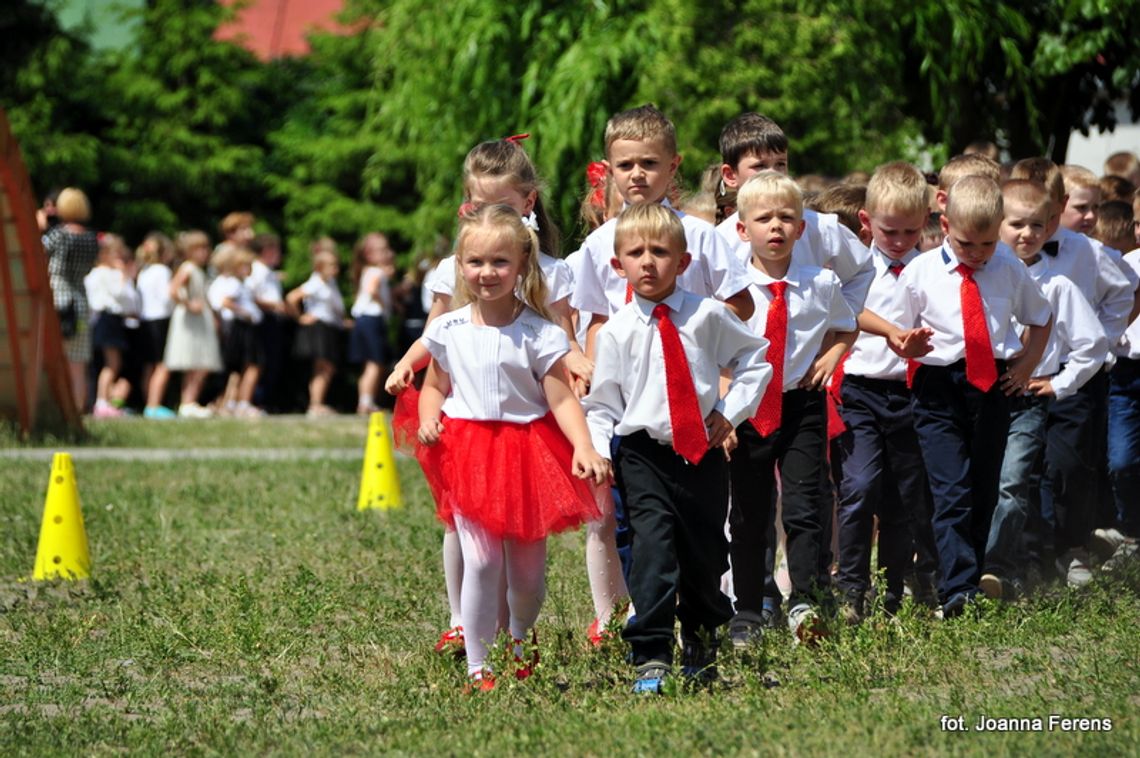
(1051, 248)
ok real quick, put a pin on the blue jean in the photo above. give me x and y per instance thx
(1124, 443)
(1020, 471)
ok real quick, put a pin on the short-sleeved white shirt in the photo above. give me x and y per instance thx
(263, 283)
(365, 304)
(1077, 346)
(556, 272)
(323, 300)
(109, 291)
(496, 371)
(930, 295)
(714, 271)
(154, 290)
(815, 303)
(232, 288)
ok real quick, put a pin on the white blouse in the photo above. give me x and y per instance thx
(323, 300)
(154, 289)
(496, 371)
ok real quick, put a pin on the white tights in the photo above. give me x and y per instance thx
(603, 567)
(486, 561)
(453, 578)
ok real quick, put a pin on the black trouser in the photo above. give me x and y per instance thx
(676, 514)
(799, 449)
(963, 433)
(883, 475)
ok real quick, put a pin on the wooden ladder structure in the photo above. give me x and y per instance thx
(35, 388)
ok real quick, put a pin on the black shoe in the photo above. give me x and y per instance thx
(651, 677)
(771, 616)
(698, 661)
(957, 605)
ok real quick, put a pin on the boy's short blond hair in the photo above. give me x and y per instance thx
(769, 184)
(969, 164)
(1046, 173)
(845, 201)
(650, 221)
(1078, 177)
(975, 204)
(1029, 192)
(1113, 222)
(898, 188)
(1123, 164)
(71, 207)
(641, 124)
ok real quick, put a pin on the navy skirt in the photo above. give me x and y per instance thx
(319, 341)
(108, 331)
(369, 341)
(240, 346)
(152, 339)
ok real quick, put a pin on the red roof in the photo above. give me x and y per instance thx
(275, 28)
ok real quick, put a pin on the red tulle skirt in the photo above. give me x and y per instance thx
(513, 480)
(406, 418)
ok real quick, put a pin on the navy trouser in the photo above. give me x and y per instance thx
(1124, 443)
(882, 475)
(1074, 443)
(962, 432)
(676, 513)
(799, 448)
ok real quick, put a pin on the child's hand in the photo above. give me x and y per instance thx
(430, 432)
(1017, 375)
(729, 444)
(580, 366)
(307, 318)
(820, 372)
(195, 306)
(912, 343)
(719, 428)
(587, 464)
(401, 376)
(1041, 388)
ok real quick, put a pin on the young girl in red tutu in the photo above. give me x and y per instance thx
(503, 440)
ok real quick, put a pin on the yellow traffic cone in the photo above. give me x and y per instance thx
(63, 542)
(379, 484)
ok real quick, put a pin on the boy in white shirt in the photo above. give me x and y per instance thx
(1076, 351)
(968, 293)
(809, 326)
(656, 381)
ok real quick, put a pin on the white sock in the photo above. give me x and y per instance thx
(453, 574)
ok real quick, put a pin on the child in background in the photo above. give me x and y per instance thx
(1114, 226)
(1115, 188)
(155, 255)
(192, 342)
(1124, 426)
(503, 434)
(237, 228)
(845, 201)
(242, 354)
(809, 325)
(656, 383)
(1076, 350)
(264, 281)
(110, 297)
(1124, 164)
(1083, 190)
(322, 325)
(931, 236)
(969, 293)
(373, 265)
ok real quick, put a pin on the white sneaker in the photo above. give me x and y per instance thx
(1075, 564)
(806, 625)
(193, 410)
(1105, 542)
(1128, 551)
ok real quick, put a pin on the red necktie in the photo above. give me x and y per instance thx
(767, 418)
(628, 292)
(980, 368)
(690, 438)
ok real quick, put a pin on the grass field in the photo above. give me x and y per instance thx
(243, 606)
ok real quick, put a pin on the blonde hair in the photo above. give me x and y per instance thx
(72, 206)
(1114, 187)
(155, 248)
(112, 245)
(189, 240)
(360, 254)
(325, 244)
(1122, 163)
(1046, 173)
(650, 221)
(234, 221)
(1114, 223)
(769, 185)
(970, 164)
(229, 258)
(1028, 192)
(324, 258)
(641, 124)
(975, 204)
(898, 187)
(1078, 177)
(504, 220)
(506, 159)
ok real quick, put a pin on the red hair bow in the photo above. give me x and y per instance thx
(466, 208)
(517, 138)
(596, 175)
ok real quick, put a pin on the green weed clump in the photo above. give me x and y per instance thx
(243, 606)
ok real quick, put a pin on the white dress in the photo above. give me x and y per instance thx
(192, 342)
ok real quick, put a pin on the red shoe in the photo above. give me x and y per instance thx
(525, 670)
(452, 642)
(480, 681)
